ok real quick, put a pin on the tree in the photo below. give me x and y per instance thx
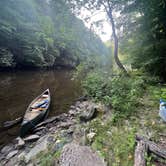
(109, 6)
(144, 35)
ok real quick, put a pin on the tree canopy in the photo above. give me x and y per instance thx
(44, 34)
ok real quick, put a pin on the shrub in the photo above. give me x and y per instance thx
(122, 93)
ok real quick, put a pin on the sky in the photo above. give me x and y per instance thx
(105, 31)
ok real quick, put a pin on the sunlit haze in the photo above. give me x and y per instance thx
(104, 31)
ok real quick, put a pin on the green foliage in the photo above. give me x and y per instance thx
(6, 58)
(115, 145)
(125, 93)
(122, 93)
(44, 34)
(144, 35)
(95, 86)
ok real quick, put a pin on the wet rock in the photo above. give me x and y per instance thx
(11, 154)
(32, 138)
(76, 155)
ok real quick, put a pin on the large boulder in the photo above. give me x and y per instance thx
(76, 155)
(88, 112)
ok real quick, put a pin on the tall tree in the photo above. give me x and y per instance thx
(144, 35)
(109, 7)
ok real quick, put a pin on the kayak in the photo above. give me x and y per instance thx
(36, 112)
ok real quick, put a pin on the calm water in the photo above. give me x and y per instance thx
(18, 89)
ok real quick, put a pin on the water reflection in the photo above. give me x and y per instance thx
(18, 89)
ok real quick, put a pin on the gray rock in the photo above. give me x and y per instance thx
(21, 142)
(32, 138)
(72, 107)
(88, 114)
(39, 129)
(1, 156)
(11, 154)
(50, 120)
(65, 124)
(40, 146)
(6, 149)
(72, 112)
(76, 155)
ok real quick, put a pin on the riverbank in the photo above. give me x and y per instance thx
(50, 136)
(19, 88)
(88, 128)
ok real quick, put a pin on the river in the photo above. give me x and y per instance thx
(18, 89)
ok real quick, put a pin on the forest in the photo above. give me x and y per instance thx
(41, 34)
(108, 97)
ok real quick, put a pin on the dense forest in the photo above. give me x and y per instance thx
(120, 113)
(44, 34)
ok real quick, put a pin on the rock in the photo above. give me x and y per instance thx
(40, 146)
(88, 114)
(72, 112)
(76, 155)
(6, 149)
(72, 107)
(11, 154)
(50, 120)
(65, 124)
(2, 156)
(32, 138)
(58, 145)
(9, 124)
(39, 129)
(21, 142)
(90, 136)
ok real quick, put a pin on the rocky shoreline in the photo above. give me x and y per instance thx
(61, 135)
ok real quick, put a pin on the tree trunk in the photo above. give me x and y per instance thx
(152, 147)
(139, 157)
(115, 42)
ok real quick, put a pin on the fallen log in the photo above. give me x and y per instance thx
(12, 123)
(152, 147)
(139, 157)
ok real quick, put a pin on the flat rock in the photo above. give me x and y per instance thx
(39, 129)
(32, 138)
(76, 155)
(21, 142)
(6, 149)
(40, 146)
(11, 154)
(50, 120)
